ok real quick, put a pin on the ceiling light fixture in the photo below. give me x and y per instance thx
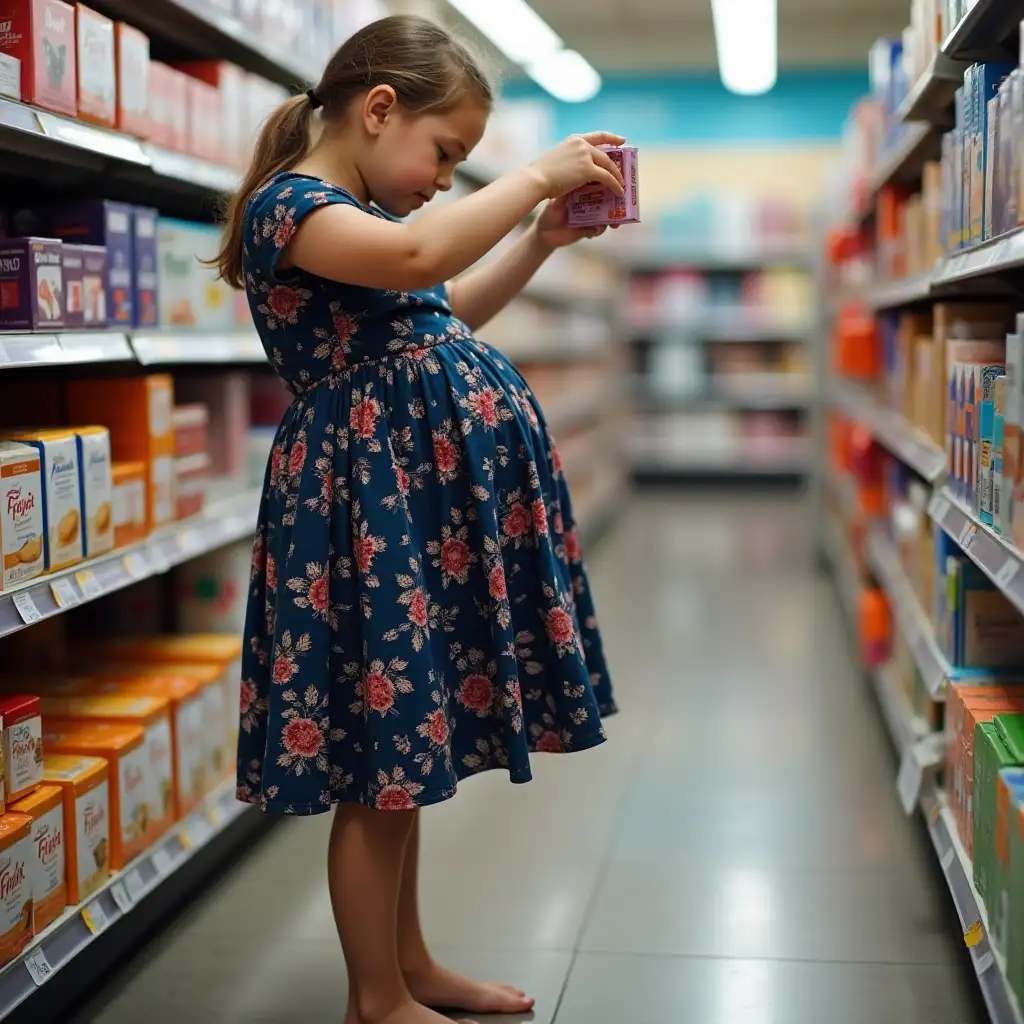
(747, 40)
(523, 36)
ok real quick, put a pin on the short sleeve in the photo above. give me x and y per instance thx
(273, 215)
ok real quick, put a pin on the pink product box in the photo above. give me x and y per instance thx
(595, 206)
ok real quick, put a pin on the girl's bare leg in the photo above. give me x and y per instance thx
(428, 982)
(365, 860)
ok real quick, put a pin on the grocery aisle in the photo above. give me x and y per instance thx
(736, 853)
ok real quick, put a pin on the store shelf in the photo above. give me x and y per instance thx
(166, 348)
(656, 256)
(903, 161)
(890, 429)
(986, 29)
(65, 349)
(222, 522)
(654, 456)
(913, 623)
(717, 401)
(892, 294)
(80, 926)
(995, 555)
(931, 99)
(723, 326)
(1000, 255)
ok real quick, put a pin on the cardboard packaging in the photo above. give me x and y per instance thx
(71, 279)
(998, 433)
(1009, 788)
(31, 284)
(230, 83)
(227, 397)
(45, 807)
(10, 76)
(21, 514)
(22, 747)
(97, 489)
(190, 294)
(16, 893)
(1012, 418)
(138, 414)
(97, 67)
(129, 481)
(190, 427)
(84, 786)
(594, 206)
(132, 55)
(985, 80)
(157, 125)
(177, 84)
(1015, 937)
(144, 247)
(971, 367)
(41, 34)
(191, 480)
(121, 746)
(63, 543)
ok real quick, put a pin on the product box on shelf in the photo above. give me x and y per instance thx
(31, 284)
(1009, 787)
(106, 223)
(191, 481)
(1015, 936)
(16, 894)
(230, 83)
(97, 67)
(998, 434)
(95, 283)
(1012, 419)
(22, 749)
(132, 54)
(86, 816)
(153, 715)
(144, 248)
(991, 756)
(987, 632)
(227, 398)
(137, 412)
(45, 808)
(121, 746)
(71, 279)
(97, 488)
(21, 514)
(190, 293)
(157, 123)
(190, 428)
(210, 591)
(128, 480)
(983, 440)
(61, 492)
(41, 34)
(985, 80)
(205, 129)
(177, 109)
(10, 76)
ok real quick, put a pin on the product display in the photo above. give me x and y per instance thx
(41, 35)
(595, 207)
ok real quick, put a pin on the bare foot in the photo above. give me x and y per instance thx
(449, 991)
(407, 1013)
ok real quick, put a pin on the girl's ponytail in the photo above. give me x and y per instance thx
(427, 68)
(283, 141)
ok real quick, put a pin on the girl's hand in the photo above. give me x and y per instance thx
(577, 162)
(553, 230)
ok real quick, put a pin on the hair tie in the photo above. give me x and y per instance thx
(314, 100)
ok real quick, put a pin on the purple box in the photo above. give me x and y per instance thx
(144, 241)
(595, 206)
(71, 268)
(31, 284)
(94, 285)
(105, 223)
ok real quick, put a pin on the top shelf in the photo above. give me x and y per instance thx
(985, 30)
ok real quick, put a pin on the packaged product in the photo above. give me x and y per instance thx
(158, 120)
(1015, 936)
(129, 500)
(138, 413)
(1014, 407)
(71, 279)
(227, 399)
(97, 67)
(210, 592)
(998, 430)
(62, 495)
(204, 120)
(991, 756)
(132, 52)
(95, 283)
(230, 83)
(3, 772)
(144, 247)
(31, 284)
(106, 223)
(48, 872)
(153, 715)
(85, 789)
(982, 390)
(999, 796)
(10, 76)
(97, 487)
(21, 514)
(121, 746)
(190, 424)
(191, 479)
(15, 885)
(177, 109)
(23, 749)
(594, 205)
(41, 34)
(190, 294)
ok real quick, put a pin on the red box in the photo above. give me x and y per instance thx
(97, 67)
(158, 123)
(204, 120)
(231, 143)
(41, 34)
(133, 80)
(177, 109)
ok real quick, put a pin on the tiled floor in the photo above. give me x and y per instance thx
(735, 854)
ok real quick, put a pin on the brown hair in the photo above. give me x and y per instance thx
(428, 69)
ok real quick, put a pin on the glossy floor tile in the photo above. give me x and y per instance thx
(735, 854)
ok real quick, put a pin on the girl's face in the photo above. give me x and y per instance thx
(414, 156)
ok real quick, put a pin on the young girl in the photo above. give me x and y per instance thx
(419, 611)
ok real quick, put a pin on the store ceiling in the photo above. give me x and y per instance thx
(678, 35)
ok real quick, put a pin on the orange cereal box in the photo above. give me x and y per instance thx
(15, 885)
(45, 807)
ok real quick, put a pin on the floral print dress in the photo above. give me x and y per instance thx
(418, 609)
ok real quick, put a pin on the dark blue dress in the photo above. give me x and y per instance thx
(419, 610)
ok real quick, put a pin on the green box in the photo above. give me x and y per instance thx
(991, 756)
(1015, 924)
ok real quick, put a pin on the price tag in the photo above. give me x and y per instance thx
(27, 607)
(185, 839)
(135, 565)
(967, 535)
(64, 593)
(974, 934)
(95, 917)
(38, 967)
(121, 897)
(134, 884)
(1006, 574)
(90, 586)
(909, 781)
(158, 560)
(162, 862)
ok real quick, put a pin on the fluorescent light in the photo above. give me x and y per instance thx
(516, 29)
(747, 39)
(566, 75)
(513, 26)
